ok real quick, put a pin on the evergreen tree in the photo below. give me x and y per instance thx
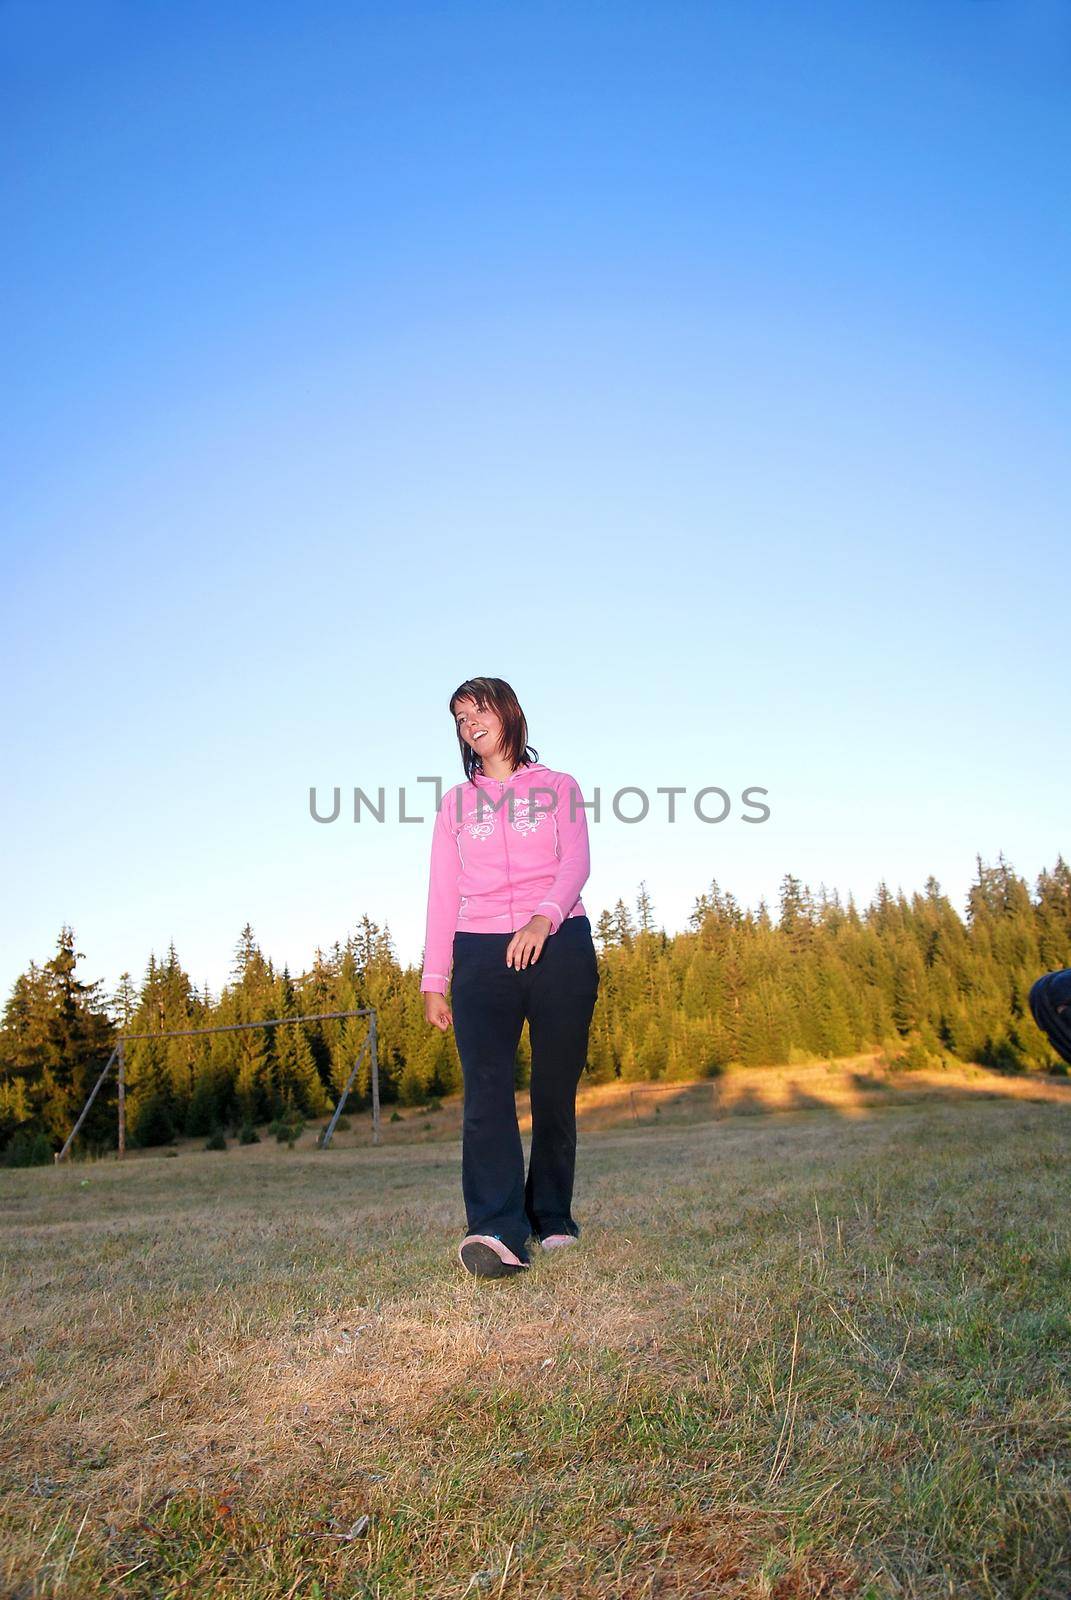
(645, 910)
(624, 931)
(55, 1038)
(295, 1080)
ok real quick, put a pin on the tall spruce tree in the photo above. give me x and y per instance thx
(55, 1038)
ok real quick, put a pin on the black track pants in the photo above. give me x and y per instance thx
(489, 1002)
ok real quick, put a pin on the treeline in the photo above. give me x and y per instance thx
(823, 979)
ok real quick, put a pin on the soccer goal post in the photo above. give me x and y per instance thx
(118, 1055)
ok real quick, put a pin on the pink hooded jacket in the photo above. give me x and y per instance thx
(503, 849)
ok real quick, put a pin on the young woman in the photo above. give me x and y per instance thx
(507, 933)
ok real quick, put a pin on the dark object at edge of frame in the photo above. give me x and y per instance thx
(1050, 1005)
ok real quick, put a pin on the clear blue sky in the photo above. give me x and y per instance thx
(702, 369)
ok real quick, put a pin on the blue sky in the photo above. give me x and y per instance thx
(701, 369)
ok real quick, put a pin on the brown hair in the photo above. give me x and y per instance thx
(496, 694)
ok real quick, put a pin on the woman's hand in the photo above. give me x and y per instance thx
(527, 942)
(436, 1010)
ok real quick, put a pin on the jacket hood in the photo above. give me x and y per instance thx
(533, 766)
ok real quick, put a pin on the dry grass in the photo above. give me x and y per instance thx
(817, 1352)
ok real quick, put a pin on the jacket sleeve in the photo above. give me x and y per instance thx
(444, 900)
(574, 864)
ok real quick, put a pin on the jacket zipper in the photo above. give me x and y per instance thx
(509, 881)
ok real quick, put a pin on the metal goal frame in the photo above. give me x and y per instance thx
(119, 1055)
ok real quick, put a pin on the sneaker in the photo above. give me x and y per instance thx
(554, 1241)
(485, 1256)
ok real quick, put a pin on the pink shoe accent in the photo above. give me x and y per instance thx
(478, 1251)
(554, 1241)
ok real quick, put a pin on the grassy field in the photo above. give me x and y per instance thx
(814, 1342)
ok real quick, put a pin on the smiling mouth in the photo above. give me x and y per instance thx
(478, 735)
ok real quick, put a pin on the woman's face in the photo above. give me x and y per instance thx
(481, 729)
